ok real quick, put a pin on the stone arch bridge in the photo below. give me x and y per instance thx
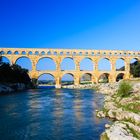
(57, 55)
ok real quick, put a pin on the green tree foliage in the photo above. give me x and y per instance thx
(124, 89)
(13, 74)
(135, 69)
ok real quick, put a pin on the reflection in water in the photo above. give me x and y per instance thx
(51, 114)
(78, 112)
(98, 101)
(77, 106)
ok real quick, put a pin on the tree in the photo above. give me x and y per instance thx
(135, 69)
(13, 74)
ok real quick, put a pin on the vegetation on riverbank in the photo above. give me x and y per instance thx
(124, 89)
(13, 74)
(13, 77)
(123, 106)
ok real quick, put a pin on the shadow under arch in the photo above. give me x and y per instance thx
(86, 78)
(104, 78)
(68, 63)
(86, 64)
(119, 77)
(46, 79)
(46, 63)
(104, 64)
(67, 79)
(24, 62)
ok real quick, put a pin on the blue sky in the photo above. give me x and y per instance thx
(84, 24)
(102, 24)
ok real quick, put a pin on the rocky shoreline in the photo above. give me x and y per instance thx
(125, 112)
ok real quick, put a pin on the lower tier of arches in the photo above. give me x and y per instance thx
(59, 78)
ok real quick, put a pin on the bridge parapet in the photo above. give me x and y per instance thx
(67, 52)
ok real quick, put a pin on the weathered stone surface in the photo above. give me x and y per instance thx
(57, 55)
(100, 114)
(119, 131)
(127, 120)
(110, 105)
(107, 126)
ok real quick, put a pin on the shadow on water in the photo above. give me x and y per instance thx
(51, 114)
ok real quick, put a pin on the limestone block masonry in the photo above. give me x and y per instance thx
(57, 55)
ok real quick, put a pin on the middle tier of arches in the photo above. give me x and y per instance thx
(69, 63)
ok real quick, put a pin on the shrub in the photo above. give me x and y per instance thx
(135, 69)
(124, 89)
(13, 74)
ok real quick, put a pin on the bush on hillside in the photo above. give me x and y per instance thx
(124, 89)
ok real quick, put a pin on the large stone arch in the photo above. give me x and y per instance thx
(5, 59)
(87, 64)
(67, 81)
(47, 80)
(27, 62)
(120, 76)
(133, 60)
(86, 78)
(120, 64)
(70, 65)
(46, 63)
(104, 64)
(104, 78)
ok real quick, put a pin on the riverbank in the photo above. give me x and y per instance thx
(9, 88)
(81, 86)
(125, 111)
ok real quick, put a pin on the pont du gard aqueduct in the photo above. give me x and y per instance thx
(57, 55)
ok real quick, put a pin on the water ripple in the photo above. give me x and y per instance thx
(51, 114)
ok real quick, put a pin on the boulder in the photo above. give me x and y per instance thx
(100, 114)
(119, 131)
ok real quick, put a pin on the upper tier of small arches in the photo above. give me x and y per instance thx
(68, 52)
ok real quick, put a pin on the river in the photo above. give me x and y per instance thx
(51, 114)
